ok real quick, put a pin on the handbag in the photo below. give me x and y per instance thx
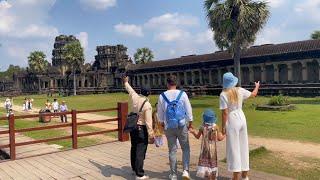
(132, 120)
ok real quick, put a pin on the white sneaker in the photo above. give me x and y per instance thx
(143, 177)
(185, 175)
(173, 177)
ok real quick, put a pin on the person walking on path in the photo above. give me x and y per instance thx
(208, 159)
(175, 112)
(55, 106)
(234, 125)
(63, 108)
(144, 131)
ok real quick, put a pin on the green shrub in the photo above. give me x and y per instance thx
(278, 100)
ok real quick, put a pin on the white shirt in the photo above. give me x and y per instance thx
(172, 95)
(225, 104)
(55, 105)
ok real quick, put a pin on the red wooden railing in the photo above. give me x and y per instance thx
(122, 110)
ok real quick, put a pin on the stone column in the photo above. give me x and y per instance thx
(186, 78)
(276, 72)
(193, 78)
(219, 76)
(263, 73)
(251, 74)
(178, 78)
(290, 72)
(200, 77)
(210, 77)
(304, 71)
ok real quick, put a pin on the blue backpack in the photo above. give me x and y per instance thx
(175, 112)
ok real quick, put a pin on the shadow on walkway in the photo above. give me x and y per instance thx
(126, 173)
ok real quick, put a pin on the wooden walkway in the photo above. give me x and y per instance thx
(106, 161)
(28, 150)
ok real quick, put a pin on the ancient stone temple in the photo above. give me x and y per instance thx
(288, 68)
(57, 59)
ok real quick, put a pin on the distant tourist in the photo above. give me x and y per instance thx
(63, 108)
(29, 104)
(25, 105)
(208, 160)
(175, 112)
(8, 106)
(55, 106)
(234, 125)
(141, 135)
(48, 105)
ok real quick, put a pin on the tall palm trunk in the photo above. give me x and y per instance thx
(237, 68)
(74, 83)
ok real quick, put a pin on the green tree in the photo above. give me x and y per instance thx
(143, 55)
(315, 35)
(37, 62)
(74, 56)
(8, 74)
(235, 24)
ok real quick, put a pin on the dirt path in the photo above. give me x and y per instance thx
(294, 148)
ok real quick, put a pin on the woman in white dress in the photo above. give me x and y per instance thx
(235, 126)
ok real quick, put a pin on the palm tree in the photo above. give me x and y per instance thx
(37, 62)
(315, 35)
(143, 55)
(235, 24)
(74, 56)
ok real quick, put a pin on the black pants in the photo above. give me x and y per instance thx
(63, 116)
(139, 145)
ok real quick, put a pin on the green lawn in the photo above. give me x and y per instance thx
(275, 163)
(301, 124)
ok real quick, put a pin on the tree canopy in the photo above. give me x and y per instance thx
(235, 24)
(143, 55)
(37, 62)
(315, 35)
(73, 54)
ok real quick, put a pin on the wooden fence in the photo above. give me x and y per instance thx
(122, 110)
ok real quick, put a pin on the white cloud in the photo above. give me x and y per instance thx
(269, 35)
(171, 26)
(83, 38)
(129, 29)
(37, 31)
(24, 28)
(276, 3)
(172, 34)
(309, 10)
(204, 37)
(172, 19)
(98, 4)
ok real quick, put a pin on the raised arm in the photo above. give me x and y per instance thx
(254, 93)
(129, 89)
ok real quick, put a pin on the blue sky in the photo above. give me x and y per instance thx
(170, 28)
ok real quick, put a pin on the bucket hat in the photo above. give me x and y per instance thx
(229, 80)
(209, 117)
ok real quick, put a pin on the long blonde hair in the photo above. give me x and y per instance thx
(232, 94)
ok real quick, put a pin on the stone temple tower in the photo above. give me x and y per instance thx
(57, 59)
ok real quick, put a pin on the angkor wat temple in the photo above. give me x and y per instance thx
(288, 68)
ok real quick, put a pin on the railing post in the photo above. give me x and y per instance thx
(122, 115)
(74, 129)
(12, 138)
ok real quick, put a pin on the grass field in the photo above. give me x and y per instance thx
(275, 163)
(302, 124)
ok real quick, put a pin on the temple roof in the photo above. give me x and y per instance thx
(253, 51)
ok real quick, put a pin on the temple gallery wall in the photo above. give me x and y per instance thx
(289, 68)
